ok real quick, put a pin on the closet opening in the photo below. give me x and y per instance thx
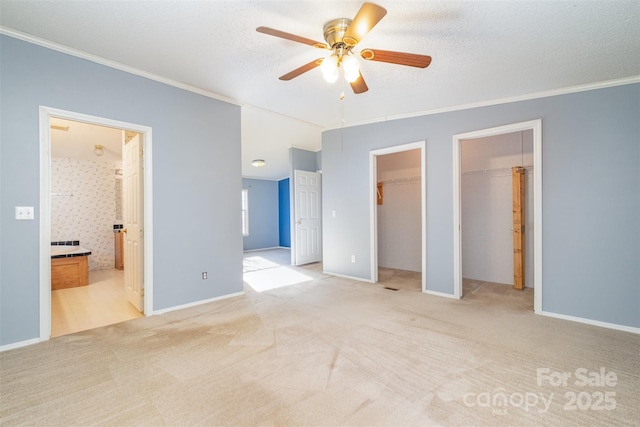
(398, 212)
(497, 211)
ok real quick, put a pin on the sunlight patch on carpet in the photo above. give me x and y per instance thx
(256, 263)
(273, 278)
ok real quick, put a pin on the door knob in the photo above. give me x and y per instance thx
(124, 230)
(299, 222)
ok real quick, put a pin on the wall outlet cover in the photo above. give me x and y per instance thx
(24, 212)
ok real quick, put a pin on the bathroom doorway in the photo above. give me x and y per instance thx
(91, 192)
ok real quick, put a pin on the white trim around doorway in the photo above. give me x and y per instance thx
(536, 127)
(45, 115)
(373, 211)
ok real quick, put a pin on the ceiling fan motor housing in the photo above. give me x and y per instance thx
(334, 32)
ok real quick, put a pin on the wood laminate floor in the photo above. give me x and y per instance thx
(101, 303)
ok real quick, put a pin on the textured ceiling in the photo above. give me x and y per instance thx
(482, 51)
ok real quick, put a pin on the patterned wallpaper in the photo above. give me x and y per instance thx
(119, 196)
(83, 207)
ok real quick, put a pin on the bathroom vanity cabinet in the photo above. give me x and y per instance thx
(69, 272)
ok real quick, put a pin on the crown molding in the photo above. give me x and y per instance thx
(112, 64)
(131, 70)
(499, 101)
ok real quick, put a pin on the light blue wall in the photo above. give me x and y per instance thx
(196, 176)
(303, 160)
(591, 196)
(263, 214)
(284, 213)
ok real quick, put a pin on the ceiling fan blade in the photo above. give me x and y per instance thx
(301, 70)
(366, 18)
(292, 37)
(400, 58)
(359, 86)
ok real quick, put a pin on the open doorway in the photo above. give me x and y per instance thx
(91, 202)
(489, 236)
(398, 212)
(399, 223)
(484, 214)
(87, 239)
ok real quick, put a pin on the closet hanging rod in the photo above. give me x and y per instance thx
(399, 180)
(482, 171)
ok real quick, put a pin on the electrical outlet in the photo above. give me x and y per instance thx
(353, 258)
(24, 212)
(204, 275)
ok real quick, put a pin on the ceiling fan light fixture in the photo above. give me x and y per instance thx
(341, 36)
(351, 68)
(329, 68)
(258, 163)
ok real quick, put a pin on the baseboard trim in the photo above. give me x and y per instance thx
(264, 249)
(8, 347)
(440, 294)
(194, 304)
(344, 276)
(607, 325)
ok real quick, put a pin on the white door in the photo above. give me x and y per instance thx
(307, 191)
(132, 218)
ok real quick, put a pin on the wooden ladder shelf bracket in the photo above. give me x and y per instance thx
(517, 174)
(380, 193)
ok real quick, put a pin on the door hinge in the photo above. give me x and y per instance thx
(141, 233)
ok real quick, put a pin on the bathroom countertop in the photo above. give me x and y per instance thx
(68, 249)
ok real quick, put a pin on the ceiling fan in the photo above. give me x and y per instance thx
(341, 36)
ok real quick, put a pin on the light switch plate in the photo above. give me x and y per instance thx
(24, 212)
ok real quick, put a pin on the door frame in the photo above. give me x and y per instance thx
(373, 204)
(536, 127)
(45, 115)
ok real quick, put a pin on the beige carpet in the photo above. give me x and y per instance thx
(329, 352)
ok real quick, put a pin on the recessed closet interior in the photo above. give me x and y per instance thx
(487, 206)
(399, 209)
